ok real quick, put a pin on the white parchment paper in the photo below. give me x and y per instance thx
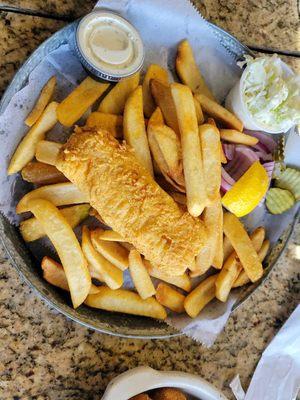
(162, 26)
(277, 375)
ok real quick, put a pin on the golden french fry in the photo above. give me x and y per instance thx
(213, 220)
(112, 251)
(42, 101)
(200, 296)
(218, 112)
(191, 151)
(109, 122)
(211, 121)
(232, 267)
(47, 151)
(66, 244)
(180, 198)
(243, 246)
(211, 159)
(170, 298)
(166, 151)
(243, 278)
(161, 93)
(168, 394)
(72, 108)
(26, 148)
(181, 281)
(188, 71)
(110, 236)
(154, 71)
(114, 101)
(32, 230)
(42, 174)
(99, 265)
(54, 274)
(199, 113)
(127, 302)
(140, 275)
(218, 256)
(227, 248)
(60, 194)
(134, 128)
(234, 136)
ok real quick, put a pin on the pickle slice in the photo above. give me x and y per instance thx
(290, 180)
(279, 200)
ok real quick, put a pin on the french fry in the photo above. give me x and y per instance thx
(213, 220)
(72, 108)
(218, 112)
(191, 151)
(199, 113)
(100, 266)
(47, 151)
(161, 93)
(26, 148)
(134, 128)
(243, 278)
(127, 302)
(54, 274)
(170, 298)
(140, 275)
(211, 159)
(110, 236)
(227, 248)
(60, 194)
(168, 394)
(114, 101)
(243, 246)
(234, 136)
(180, 198)
(218, 259)
(166, 151)
(188, 71)
(112, 251)
(109, 122)
(42, 174)
(211, 121)
(68, 249)
(181, 281)
(232, 267)
(42, 101)
(154, 71)
(200, 296)
(32, 230)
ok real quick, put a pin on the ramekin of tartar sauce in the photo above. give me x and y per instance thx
(108, 46)
(266, 97)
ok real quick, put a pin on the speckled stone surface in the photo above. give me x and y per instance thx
(45, 356)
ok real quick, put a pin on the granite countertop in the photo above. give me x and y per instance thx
(45, 356)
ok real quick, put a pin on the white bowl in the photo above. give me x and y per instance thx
(142, 379)
(236, 104)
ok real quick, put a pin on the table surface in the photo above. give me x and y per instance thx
(45, 356)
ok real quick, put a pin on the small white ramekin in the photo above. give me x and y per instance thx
(235, 103)
(142, 379)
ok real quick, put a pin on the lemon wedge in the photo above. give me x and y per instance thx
(248, 191)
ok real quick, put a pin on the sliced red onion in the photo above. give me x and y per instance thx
(269, 167)
(244, 158)
(229, 150)
(266, 140)
(226, 181)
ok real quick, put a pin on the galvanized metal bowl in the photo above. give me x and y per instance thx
(27, 265)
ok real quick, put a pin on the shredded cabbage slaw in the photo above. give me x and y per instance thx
(272, 97)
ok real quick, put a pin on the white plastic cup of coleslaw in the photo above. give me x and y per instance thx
(235, 102)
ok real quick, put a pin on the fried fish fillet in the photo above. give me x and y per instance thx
(130, 201)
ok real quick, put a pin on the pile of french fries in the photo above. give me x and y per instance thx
(176, 131)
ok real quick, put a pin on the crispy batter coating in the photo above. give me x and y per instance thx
(130, 201)
(168, 394)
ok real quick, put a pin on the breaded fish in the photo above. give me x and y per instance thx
(130, 201)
